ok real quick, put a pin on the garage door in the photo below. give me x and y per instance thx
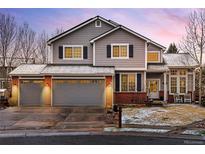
(30, 92)
(78, 92)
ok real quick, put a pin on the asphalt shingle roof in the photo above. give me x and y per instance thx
(35, 69)
(179, 60)
(28, 69)
(77, 70)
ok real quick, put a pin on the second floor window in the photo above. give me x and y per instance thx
(153, 57)
(120, 51)
(73, 52)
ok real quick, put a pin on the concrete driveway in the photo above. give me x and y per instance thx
(34, 118)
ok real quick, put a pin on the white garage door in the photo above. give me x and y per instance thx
(78, 92)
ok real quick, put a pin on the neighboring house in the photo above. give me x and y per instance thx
(101, 63)
(4, 71)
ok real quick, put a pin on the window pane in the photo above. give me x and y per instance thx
(173, 85)
(115, 51)
(124, 82)
(173, 72)
(152, 57)
(182, 72)
(182, 85)
(123, 50)
(68, 52)
(131, 82)
(77, 52)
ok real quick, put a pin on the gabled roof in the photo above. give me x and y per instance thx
(129, 31)
(179, 60)
(82, 25)
(115, 25)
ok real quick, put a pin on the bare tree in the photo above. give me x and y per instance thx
(14, 54)
(27, 42)
(57, 31)
(8, 33)
(42, 47)
(194, 41)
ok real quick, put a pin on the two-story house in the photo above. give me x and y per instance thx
(100, 63)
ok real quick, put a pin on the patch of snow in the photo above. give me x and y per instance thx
(191, 132)
(148, 130)
(171, 115)
(139, 116)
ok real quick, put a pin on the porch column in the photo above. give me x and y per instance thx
(165, 86)
(194, 86)
(15, 91)
(46, 93)
(145, 81)
(108, 92)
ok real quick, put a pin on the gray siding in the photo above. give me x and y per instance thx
(120, 36)
(81, 36)
(152, 47)
(190, 82)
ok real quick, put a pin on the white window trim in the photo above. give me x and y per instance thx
(159, 58)
(97, 25)
(64, 46)
(178, 82)
(120, 44)
(128, 82)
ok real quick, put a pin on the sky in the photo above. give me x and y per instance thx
(161, 25)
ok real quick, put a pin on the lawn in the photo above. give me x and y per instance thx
(169, 115)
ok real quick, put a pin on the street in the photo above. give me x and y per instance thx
(97, 140)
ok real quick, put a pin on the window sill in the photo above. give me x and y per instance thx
(72, 58)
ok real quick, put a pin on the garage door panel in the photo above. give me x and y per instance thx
(78, 93)
(30, 93)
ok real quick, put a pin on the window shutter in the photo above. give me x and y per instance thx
(131, 51)
(117, 82)
(60, 54)
(85, 52)
(108, 51)
(139, 82)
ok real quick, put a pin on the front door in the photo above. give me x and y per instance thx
(153, 88)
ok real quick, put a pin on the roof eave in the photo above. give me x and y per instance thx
(194, 66)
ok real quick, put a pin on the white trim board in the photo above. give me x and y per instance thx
(89, 78)
(129, 69)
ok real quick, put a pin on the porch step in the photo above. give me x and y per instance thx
(158, 103)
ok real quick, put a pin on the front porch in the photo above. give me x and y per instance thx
(161, 84)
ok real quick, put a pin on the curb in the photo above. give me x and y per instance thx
(34, 133)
